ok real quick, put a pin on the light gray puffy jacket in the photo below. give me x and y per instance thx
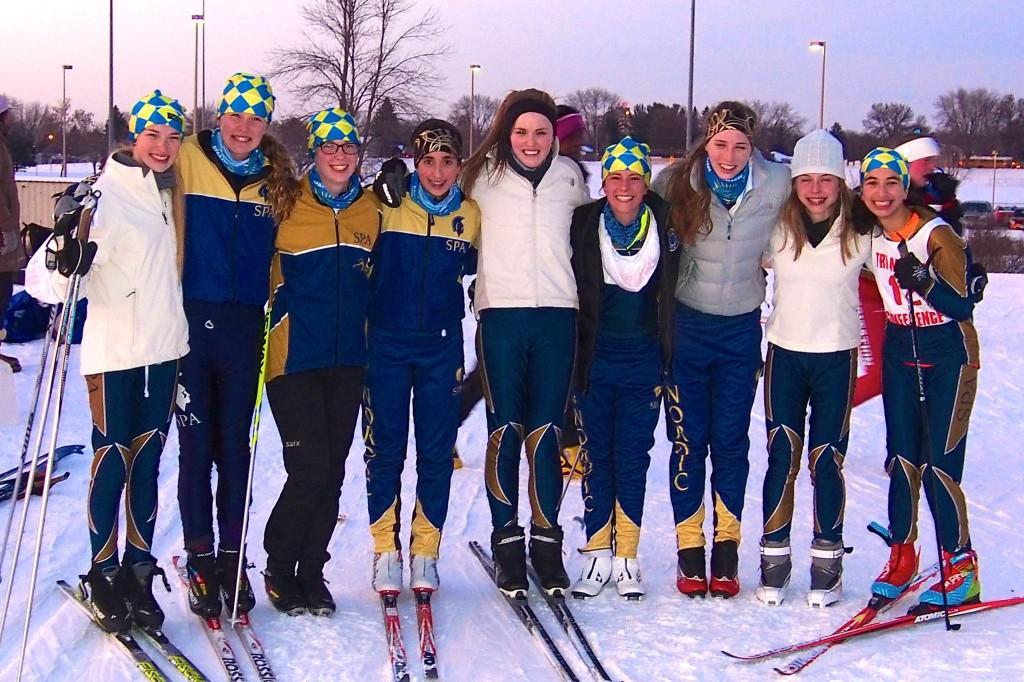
(721, 274)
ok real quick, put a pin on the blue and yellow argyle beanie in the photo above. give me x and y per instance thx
(627, 154)
(331, 125)
(153, 109)
(248, 94)
(883, 157)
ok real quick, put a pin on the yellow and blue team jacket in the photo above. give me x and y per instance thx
(319, 284)
(229, 228)
(418, 266)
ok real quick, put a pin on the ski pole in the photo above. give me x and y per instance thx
(927, 446)
(28, 436)
(82, 234)
(254, 436)
(52, 370)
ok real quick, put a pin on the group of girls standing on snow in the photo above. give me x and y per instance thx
(647, 297)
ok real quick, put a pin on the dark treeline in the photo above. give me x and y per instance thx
(967, 122)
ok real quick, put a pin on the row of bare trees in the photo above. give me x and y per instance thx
(377, 59)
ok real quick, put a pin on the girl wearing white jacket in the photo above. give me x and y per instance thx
(813, 333)
(134, 335)
(526, 337)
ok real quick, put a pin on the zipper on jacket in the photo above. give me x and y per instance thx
(337, 288)
(234, 240)
(424, 268)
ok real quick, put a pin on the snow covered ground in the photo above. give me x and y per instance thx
(665, 637)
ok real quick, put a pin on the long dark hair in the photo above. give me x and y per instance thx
(691, 206)
(496, 139)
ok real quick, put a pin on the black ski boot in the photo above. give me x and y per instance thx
(203, 585)
(725, 565)
(136, 583)
(227, 571)
(508, 547)
(106, 600)
(319, 601)
(546, 558)
(283, 589)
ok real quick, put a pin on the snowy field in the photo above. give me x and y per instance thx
(665, 637)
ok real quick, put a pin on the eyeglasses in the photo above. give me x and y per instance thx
(331, 148)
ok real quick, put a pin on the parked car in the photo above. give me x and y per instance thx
(978, 215)
(1017, 220)
(1002, 215)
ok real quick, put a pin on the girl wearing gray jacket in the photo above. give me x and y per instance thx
(725, 201)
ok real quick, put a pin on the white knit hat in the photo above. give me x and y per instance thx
(919, 148)
(818, 152)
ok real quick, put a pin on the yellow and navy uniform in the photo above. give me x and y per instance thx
(418, 265)
(415, 349)
(230, 229)
(319, 284)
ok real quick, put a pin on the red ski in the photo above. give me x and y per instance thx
(954, 612)
(425, 620)
(862, 617)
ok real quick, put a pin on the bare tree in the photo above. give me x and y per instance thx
(593, 104)
(778, 126)
(484, 108)
(355, 53)
(891, 121)
(979, 120)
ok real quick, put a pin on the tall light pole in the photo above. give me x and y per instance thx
(473, 68)
(689, 88)
(197, 19)
(64, 120)
(815, 46)
(202, 77)
(110, 85)
(995, 159)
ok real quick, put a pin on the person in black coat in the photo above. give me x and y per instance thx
(625, 258)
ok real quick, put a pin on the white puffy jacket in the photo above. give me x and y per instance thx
(135, 313)
(524, 237)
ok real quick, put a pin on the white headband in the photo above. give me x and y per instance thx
(919, 148)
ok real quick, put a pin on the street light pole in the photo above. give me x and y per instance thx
(689, 89)
(202, 89)
(995, 159)
(196, 19)
(110, 85)
(473, 68)
(64, 120)
(820, 45)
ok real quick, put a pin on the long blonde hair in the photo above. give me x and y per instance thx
(792, 221)
(496, 139)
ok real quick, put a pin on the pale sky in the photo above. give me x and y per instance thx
(878, 50)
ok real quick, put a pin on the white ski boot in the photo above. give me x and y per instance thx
(423, 574)
(776, 567)
(595, 574)
(826, 573)
(628, 579)
(387, 572)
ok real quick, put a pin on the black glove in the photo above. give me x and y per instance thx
(977, 280)
(472, 296)
(912, 274)
(392, 182)
(75, 258)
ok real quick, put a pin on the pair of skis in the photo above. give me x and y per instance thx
(215, 634)
(863, 623)
(129, 646)
(396, 646)
(563, 614)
